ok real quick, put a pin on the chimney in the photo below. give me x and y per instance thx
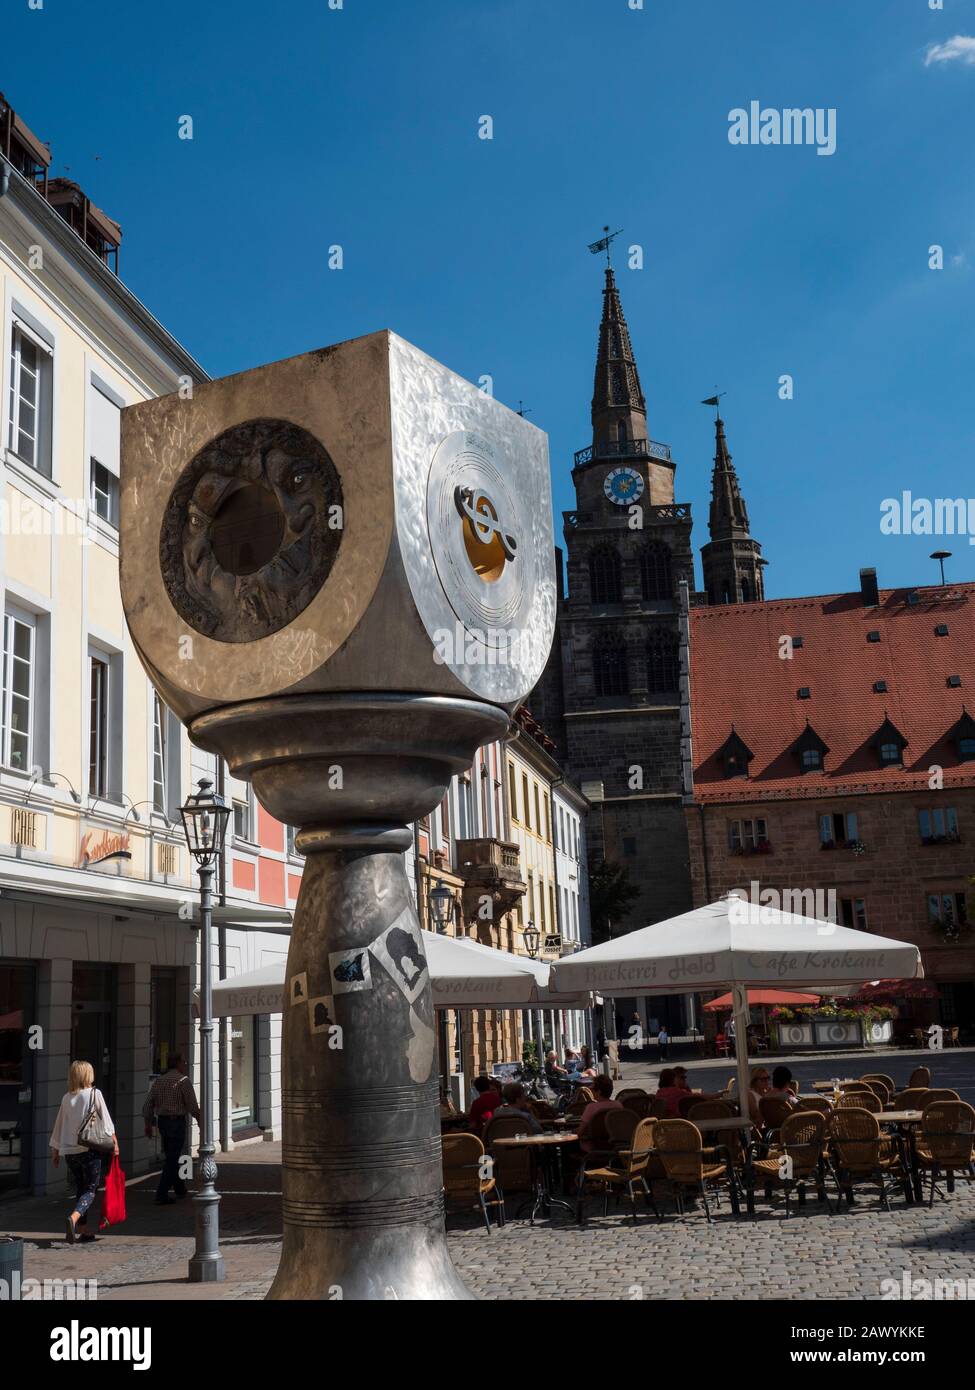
(869, 592)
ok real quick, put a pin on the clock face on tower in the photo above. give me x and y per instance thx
(623, 485)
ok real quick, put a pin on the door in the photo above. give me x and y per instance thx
(17, 986)
(93, 1023)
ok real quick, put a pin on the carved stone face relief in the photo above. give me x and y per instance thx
(251, 530)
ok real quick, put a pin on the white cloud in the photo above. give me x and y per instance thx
(959, 49)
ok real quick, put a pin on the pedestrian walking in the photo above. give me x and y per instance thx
(80, 1102)
(663, 1041)
(170, 1100)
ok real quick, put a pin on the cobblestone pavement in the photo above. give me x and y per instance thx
(810, 1255)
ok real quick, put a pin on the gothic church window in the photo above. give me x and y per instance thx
(655, 572)
(609, 664)
(605, 577)
(663, 664)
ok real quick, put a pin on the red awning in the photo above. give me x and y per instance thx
(897, 989)
(762, 996)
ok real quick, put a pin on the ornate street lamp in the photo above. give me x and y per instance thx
(532, 938)
(441, 901)
(205, 818)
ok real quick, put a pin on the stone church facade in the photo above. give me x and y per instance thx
(614, 695)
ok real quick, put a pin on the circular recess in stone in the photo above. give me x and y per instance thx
(251, 530)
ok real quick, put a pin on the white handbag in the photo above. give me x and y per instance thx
(93, 1135)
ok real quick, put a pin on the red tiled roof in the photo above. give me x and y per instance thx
(738, 677)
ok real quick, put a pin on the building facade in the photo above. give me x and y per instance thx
(833, 755)
(99, 932)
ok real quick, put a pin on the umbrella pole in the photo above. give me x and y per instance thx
(740, 1002)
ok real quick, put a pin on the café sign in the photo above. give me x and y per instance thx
(97, 846)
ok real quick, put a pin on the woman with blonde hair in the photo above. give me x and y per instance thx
(85, 1165)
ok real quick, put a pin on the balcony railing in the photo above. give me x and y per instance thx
(667, 511)
(625, 449)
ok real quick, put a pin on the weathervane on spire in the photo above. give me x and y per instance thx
(603, 243)
(715, 400)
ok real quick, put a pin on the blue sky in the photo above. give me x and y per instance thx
(359, 127)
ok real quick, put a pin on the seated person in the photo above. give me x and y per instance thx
(758, 1087)
(515, 1107)
(572, 1061)
(781, 1077)
(670, 1093)
(486, 1102)
(553, 1071)
(680, 1081)
(603, 1088)
(587, 1065)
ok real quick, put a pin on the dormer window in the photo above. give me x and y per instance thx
(890, 744)
(810, 749)
(735, 755)
(962, 735)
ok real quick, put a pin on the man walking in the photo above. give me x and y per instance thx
(171, 1098)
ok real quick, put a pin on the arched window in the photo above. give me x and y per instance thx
(663, 662)
(621, 431)
(609, 666)
(605, 577)
(746, 594)
(655, 573)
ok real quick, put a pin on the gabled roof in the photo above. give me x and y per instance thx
(888, 733)
(738, 673)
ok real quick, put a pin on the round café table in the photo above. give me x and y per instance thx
(543, 1146)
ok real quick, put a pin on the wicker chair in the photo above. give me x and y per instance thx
(619, 1171)
(774, 1112)
(947, 1142)
(911, 1099)
(628, 1091)
(463, 1166)
(941, 1093)
(797, 1158)
(514, 1168)
(920, 1076)
(686, 1104)
(880, 1091)
(579, 1101)
(882, 1078)
(858, 1154)
(542, 1110)
(638, 1105)
(620, 1127)
(819, 1104)
(856, 1100)
(687, 1164)
(659, 1110)
(855, 1088)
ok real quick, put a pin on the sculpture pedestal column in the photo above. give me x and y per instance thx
(363, 1181)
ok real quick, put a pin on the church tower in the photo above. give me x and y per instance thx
(732, 561)
(615, 671)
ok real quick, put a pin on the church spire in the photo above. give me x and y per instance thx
(619, 411)
(733, 564)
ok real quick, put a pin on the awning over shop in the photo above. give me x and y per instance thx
(30, 881)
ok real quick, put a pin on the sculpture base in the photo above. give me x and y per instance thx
(361, 1164)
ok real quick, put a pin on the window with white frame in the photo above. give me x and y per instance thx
(29, 413)
(838, 828)
(18, 691)
(166, 754)
(98, 691)
(104, 434)
(938, 825)
(243, 820)
(746, 836)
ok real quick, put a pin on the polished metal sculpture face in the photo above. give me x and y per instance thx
(348, 679)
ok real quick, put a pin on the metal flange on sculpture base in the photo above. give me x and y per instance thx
(362, 1176)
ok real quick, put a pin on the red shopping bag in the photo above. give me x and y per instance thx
(113, 1204)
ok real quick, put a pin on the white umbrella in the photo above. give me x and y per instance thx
(463, 974)
(734, 943)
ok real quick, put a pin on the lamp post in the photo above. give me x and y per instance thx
(205, 818)
(532, 938)
(440, 900)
